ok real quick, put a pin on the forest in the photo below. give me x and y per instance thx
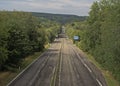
(100, 34)
(22, 34)
(60, 18)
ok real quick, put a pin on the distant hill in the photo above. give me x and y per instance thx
(61, 18)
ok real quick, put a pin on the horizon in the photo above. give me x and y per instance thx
(44, 13)
(69, 7)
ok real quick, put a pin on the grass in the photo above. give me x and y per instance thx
(110, 80)
(7, 76)
(108, 76)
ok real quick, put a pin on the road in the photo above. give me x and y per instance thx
(63, 64)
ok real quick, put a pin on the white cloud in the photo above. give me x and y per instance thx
(55, 6)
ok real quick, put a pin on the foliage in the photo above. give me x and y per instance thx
(101, 34)
(61, 18)
(22, 34)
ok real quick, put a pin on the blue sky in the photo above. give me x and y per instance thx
(76, 7)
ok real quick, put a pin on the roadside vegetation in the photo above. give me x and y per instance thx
(22, 39)
(21, 35)
(24, 36)
(100, 35)
(7, 76)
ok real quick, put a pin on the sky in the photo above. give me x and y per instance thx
(74, 7)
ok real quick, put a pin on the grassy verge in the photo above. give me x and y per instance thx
(108, 76)
(110, 80)
(7, 76)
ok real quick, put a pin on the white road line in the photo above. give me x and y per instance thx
(60, 64)
(84, 63)
(53, 72)
(80, 58)
(88, 68)
(25, 69)
(99, 82)
(60, 69)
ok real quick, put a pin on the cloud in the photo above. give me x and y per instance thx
(78, 7)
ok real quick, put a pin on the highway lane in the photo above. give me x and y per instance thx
(93, 71)
(63, 64)
(76, 70)
(73, 72)
(40, 72)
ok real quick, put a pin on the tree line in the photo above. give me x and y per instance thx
(22, 34)
(100, 34)
(61, 18)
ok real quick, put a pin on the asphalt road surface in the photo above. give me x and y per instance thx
(63, 64)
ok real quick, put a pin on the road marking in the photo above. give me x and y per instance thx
(60, 68)
(99, 82)
(80, 58)
(88, 68)
(52, 78)
(25, 69)
(84, 64)
(60, 64)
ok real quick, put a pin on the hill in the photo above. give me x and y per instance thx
(61, 18)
